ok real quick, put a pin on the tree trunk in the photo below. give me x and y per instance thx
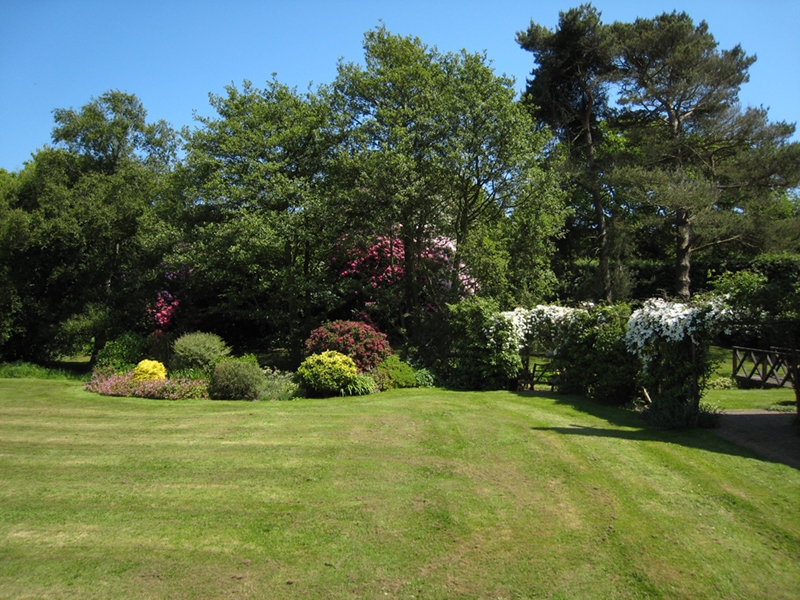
(597, 201)
(602, 232)
(683, 253)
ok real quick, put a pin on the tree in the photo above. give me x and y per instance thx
(568, 91)
(673, 82)
(79, 267)
(111, 131)
(255, 240)
(433, 146)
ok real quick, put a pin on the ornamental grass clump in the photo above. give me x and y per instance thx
(363, 385)
(326, 374)
(364, 344)
(278, 385)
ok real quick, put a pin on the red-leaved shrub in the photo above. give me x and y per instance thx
(366, 346)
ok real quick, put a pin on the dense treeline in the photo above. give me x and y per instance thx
(414, 180)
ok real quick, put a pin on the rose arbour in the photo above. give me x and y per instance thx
(542, 327)
(662, 321)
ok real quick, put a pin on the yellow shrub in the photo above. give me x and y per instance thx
(149, 369)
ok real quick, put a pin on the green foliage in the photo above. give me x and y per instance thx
(592, 357)
(189, 373)
(249, 358)
(569, 92)
(236, 379)
(199, 351)
(258, 228)
(326, 374)
(123, 353)
(363, 385)
(78, 268)
(770, 285)
(25, 370)
(278, 385)
(722, 383)
(147, 370)
(673, 341)
(483, 353)
(424, 378)
(394, 373)
(424, 125)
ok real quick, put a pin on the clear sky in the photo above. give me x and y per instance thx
(173, 53)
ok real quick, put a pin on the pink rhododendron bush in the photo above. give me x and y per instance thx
(364, 344)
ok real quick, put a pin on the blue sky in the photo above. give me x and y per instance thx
(171, 54)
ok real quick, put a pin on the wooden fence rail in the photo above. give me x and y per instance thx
(758, 367)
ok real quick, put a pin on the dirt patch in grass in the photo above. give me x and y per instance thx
(773, 435)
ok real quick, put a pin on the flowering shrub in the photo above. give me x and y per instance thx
(163, 309)
(541, 330)
(383, 264)
(164, 389)
(660, 321)
(663, 346)
(149, 369)
(673, 341)
(366, 346)
(326, 374)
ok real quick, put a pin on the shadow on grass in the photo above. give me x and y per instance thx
(771, 437)
(79, 367)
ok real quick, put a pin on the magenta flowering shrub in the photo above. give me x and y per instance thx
(383, 264)
(364, 344)
(163, 309)
(162, 389)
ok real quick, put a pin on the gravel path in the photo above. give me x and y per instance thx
(773, 435)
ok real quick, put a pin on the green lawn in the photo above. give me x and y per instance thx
(405, 494)
(781, 399)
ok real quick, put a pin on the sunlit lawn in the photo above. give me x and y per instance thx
(782, 399)
(407, 494)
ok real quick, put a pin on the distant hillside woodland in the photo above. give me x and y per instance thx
(415, 180)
